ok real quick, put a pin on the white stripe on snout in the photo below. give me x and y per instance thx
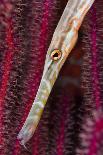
(37, 111)
(40, 104)
(46, 67)
(47, 84)
(34, 118)
(43, 97)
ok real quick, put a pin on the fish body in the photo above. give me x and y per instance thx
(63, 41)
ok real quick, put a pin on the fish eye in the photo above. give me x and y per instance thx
(56, 55)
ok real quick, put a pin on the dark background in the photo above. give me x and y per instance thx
(26, 29)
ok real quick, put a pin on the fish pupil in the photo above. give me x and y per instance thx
(56, 55)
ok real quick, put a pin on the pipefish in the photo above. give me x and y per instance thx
(63, 41)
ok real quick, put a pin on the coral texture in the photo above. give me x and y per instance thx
(72, 120)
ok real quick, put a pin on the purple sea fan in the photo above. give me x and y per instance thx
(24, 40)
(26, 29)
(92, 135)
(92, 83)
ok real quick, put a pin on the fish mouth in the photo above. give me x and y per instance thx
(25, 134)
